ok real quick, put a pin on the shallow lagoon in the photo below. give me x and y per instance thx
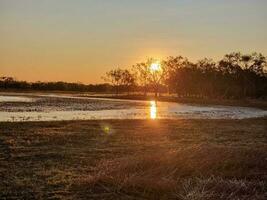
(53, 107)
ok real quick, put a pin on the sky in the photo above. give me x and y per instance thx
(79, 40)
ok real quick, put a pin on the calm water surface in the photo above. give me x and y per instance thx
(58, 107)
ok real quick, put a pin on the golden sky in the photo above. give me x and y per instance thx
(78, 41)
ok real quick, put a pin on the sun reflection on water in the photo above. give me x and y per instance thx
(153, 110)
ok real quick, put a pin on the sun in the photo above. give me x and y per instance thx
(155, 67)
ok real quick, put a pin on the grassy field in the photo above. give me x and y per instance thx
(134, 159)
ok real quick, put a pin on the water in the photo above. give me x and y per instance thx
(59, 107)
(15, 99)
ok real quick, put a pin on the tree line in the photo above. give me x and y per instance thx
(236, 75)
(9, 83)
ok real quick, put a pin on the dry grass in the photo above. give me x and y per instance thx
(134, 159)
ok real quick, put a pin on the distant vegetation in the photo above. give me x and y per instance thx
(235, 76)
(9, 83)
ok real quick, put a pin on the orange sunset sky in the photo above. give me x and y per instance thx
(78, 41)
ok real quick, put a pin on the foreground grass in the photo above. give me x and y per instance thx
(134, 159)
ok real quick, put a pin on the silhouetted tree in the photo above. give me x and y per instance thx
(142, 73)
(150, 74)
(115, 77)
(120, 79)
(128, 80)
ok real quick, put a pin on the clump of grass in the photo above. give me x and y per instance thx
(219, 188)
(166, 176)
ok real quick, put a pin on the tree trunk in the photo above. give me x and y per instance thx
(145, 91)
(117, 90)
(156, 91)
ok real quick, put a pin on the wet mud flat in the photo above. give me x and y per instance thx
(45, 103)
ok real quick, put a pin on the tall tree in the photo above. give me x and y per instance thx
(150, 73)
(142, 72)
(115, 77)
(128, 80)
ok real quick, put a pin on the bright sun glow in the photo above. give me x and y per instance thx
(154, 67)
(153, 110)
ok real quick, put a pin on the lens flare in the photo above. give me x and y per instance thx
(106, 129)
(153, 110)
